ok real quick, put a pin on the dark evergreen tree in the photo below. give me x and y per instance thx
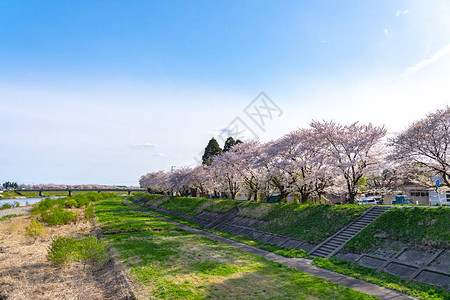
(9, 184)
(211, 150)
(228, 144)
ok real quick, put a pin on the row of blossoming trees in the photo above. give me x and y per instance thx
(326, 157)
(76, 186)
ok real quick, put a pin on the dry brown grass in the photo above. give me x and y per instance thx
(25, 272)
(161, 201)
(256, 212)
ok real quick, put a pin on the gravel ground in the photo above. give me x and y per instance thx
(15, 211)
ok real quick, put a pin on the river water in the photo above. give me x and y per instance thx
(26, 201)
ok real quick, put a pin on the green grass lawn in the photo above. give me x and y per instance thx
(167, 263)
(425, 226)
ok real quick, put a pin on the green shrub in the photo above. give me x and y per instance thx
(63, 250)
(35, 229)
(43, 206)
(5, 206)
(89, 212)
(71, 203)
(81, 200)
(58, 216)
(89, 251)
(92, 251)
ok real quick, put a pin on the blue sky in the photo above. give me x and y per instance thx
(105, 91)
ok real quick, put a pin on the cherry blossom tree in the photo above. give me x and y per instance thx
(297, 165)
(190, 181)
(276, 179)
(156, 182)
(241, 158)
(228, 179)
(180, 181)
(200, 180)
(353, 151)
(423, 149)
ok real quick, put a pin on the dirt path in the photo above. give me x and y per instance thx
(15, 211)
(300, 264)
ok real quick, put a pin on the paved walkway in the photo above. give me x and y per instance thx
(301, 264)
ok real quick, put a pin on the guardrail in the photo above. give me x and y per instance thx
(441, 199)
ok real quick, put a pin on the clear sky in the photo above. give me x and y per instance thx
(105, 91)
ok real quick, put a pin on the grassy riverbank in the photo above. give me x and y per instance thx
(166, 263)
(319, 216)
(303, 221)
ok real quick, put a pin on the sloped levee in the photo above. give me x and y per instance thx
(306, 222)
(336, 242)
(232, 223)
(411, 243)
(430, 266)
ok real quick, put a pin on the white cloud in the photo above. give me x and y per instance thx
(160, 154)
(428, 61)
(145, 145)
(399, 12)
(386, 31)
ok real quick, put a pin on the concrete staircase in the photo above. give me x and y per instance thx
(333, 244)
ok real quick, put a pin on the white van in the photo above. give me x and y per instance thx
(372, 200)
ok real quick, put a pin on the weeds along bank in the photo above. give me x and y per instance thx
(64, 250)
(310, 222)
(58, 211)
(55, 253)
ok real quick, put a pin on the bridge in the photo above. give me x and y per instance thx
(70, 190)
